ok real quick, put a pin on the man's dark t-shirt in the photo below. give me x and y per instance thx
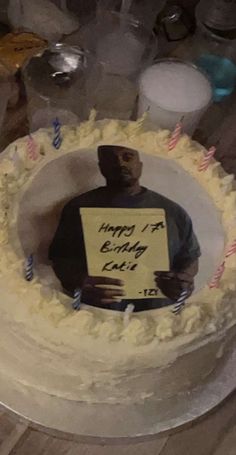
(68, 244)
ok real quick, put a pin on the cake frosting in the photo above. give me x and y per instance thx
(91, 355)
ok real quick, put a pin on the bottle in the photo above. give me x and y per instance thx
(173, 26)
(218, 15)
(214, 44)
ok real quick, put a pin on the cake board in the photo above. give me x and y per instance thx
(76, 420)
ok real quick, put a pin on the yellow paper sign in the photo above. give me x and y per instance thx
(128, 244)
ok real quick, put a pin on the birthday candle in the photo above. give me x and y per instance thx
(179, 304)
(32, 148)
(128, 311)
(175, 136)
(57, 141)
(77, 299)
(29, 268)
(214, 283)
(207, 159)
(231, 250)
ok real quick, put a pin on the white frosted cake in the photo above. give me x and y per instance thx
(92, 355)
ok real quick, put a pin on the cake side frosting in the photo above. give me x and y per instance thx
(155, 338)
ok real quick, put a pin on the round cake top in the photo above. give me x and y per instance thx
(205, 312)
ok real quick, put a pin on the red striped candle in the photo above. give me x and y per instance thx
(217, 277)
(220, 271)
(207, 159)
(175, 136)
(231, 250)
(32, 149)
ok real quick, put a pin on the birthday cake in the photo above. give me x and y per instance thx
(94, 354)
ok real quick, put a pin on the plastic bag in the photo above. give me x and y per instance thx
(41, 17)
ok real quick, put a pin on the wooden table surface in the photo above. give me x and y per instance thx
(213, 435)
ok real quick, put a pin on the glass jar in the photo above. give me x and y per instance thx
(216, 55)
(217, 14)
(214, 44)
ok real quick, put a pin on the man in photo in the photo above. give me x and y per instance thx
(122, 168)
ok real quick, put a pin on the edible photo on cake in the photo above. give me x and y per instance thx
(124, 242)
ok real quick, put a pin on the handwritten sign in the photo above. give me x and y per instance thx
(129, 244)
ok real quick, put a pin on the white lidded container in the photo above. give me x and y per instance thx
(172, 90)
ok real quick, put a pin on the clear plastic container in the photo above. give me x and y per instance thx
(120, 42)
(55, 84)
(122, 48)
(144, 11)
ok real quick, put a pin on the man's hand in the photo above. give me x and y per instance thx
(93, 294)
(172, 284)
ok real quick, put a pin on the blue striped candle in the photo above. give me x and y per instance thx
(29, 268)
(57, 141)
(77, 299)
(179, 304)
